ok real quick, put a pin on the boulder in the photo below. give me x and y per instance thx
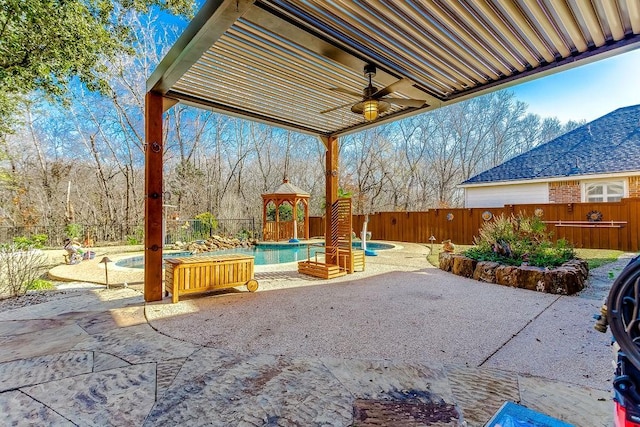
(445, 261)
(531, 278)
(463, 266)
(507, 275)
(213, 244)
(486, 271)
(581, 266)
(564, 280)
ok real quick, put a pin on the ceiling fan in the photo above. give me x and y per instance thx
(373, 100)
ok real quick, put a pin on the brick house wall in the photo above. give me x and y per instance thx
(634, 186)
(565, 192)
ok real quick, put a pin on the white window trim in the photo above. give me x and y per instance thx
(624, 181)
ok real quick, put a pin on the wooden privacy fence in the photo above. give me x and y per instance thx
(617, 229)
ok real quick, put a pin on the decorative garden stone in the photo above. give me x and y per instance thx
(486, 271)
(507, 275)
(531, 278)
(463, 266)
(566, 279)
(445, 261)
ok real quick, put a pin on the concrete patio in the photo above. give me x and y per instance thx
(385, 347)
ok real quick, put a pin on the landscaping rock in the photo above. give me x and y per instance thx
(463, 266)
(214, 243)
(507, 275)
(567, 279)
(580, 265)
(445, 261)
(486, 271)
(564, 280)
(531, 278)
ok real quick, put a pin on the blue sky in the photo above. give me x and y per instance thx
(585, 92)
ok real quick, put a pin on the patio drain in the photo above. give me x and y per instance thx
(406, 409)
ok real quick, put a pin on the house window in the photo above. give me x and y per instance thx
(604, 191)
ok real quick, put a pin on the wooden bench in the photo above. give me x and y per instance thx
(195, 274)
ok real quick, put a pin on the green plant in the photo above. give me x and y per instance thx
(204, 224)
(41, 285)
(36, 241)
(518, 239)
(342, 194)
(244, 234)
(136, 238)
(285, 213)
(73, 230)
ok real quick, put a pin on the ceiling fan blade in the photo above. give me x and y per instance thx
(393, 87)
(347, 91)
(336, 108)
(416, 103)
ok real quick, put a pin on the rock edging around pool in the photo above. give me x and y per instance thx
(213, 243)
(567, 279)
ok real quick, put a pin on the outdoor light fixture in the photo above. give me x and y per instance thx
(370, 110)
(105, 261)
(374, 101)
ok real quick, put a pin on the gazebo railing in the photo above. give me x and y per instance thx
(284, 230)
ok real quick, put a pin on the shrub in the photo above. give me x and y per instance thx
(514, 240)
(204, 224)
(41, 285)
(244, 234)
(73, 230)
(136, 238)
(36, 241)
(19, 269)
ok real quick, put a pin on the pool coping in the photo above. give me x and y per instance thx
(92, 271)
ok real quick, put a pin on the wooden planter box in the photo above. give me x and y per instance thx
(193, 274)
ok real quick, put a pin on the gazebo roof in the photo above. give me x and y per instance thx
(298, 64)
(287, 189)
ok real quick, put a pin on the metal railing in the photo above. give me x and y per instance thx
(193, 229)
(84, 233)
(100, 234)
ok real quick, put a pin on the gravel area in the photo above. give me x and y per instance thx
(32, 298)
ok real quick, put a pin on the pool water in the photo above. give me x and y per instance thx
(264, 254)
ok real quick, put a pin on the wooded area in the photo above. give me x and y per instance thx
(618, 228)
(82, 162)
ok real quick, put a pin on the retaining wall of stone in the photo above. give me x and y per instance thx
(567, 279)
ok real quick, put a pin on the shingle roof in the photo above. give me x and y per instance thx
(288, 188)
(606, 145)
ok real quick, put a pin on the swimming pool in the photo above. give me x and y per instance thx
(264, 254)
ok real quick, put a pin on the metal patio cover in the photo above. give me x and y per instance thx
(277, 61)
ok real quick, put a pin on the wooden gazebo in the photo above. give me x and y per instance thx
(288, 229)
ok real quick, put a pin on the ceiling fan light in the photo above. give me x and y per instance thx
(370, 110)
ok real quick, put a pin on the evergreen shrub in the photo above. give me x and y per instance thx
(519, 240)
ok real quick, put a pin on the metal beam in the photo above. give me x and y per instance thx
(211, 22)
(596, 54)
(243, 114)
(326, 49)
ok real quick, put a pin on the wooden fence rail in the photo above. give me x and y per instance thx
(617, 228)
